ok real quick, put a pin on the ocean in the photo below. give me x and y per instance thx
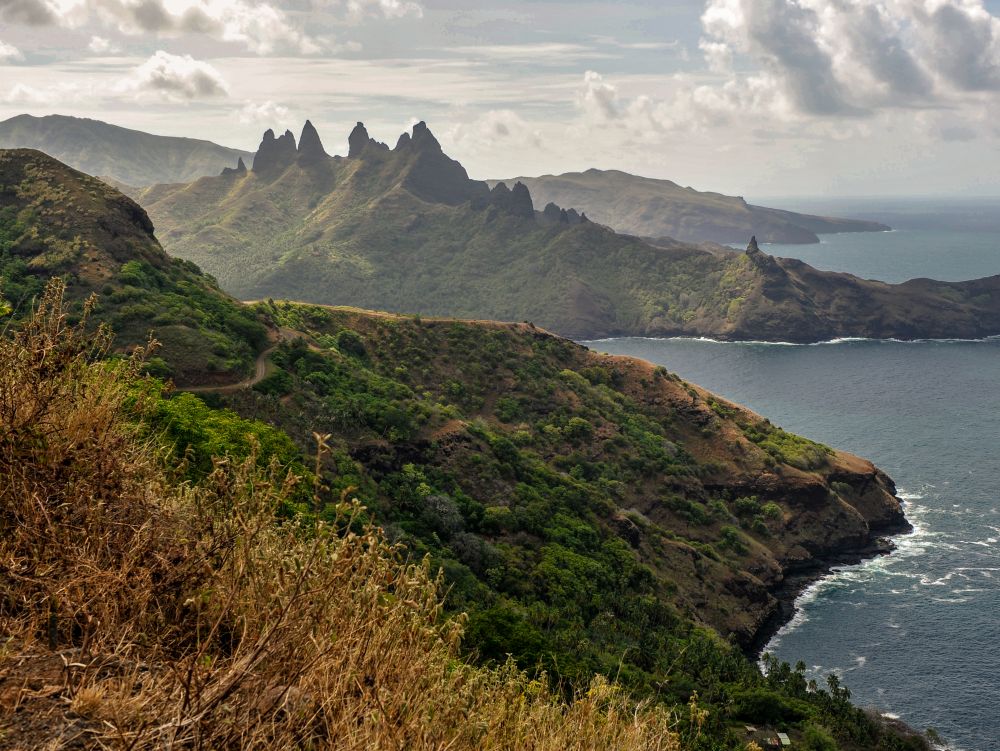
(915, 634)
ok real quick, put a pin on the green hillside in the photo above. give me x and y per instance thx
(55, 221)
(648, 207)
(128, 157)
(406, 230)
(591, 515)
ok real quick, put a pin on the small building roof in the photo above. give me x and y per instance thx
(785, 740)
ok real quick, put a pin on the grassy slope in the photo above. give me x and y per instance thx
(660, 208)
(57, 221)
(351, 231)
(127, 156)
(592, 514)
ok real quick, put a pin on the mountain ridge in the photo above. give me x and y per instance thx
(406, 229)
(654, 208)
(125, 156)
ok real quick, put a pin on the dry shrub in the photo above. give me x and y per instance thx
(190, 617)
(81, 542)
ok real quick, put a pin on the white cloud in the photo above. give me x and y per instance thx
(597, 99)
(21, 94)
(174, 77)
(9, 53)
(854, 57)
(25, 94)
(102, 46)
(266, 113)
(385, 8)
(496, 130)
(260, 26)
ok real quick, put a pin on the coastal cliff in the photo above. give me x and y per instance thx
(717, 502)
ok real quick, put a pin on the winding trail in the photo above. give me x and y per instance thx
(262, 366)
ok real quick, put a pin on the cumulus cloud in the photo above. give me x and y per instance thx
(259, 113)
(491, 130)
(598, 99)
(260, 26)
(174, 77)
(9, 53)
(854, 57)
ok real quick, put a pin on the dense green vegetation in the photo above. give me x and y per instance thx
(57, 222)
(576, 504)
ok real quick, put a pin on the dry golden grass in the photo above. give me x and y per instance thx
(187, 616)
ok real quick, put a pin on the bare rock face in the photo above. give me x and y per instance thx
(274, 155)
(521, 203)
(423, 138)
(433, 175)
(357, 141)
(311, 149)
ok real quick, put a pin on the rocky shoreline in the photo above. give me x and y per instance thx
(801, 576)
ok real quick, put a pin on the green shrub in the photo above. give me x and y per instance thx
(816, 738)
(350, 343)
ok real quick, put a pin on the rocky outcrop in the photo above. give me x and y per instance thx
(434, 176)
(239, 169)
(516, 202)
(360, 143)
(357, 141)
(274, 155)
(553, 214)
(311, 149)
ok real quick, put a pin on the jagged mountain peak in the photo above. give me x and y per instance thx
(358, 140)
(310, 146)
(275, 154)
(423, 138)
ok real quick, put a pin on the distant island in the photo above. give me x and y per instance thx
(653, 208)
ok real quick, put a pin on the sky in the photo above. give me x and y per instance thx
(748, 97)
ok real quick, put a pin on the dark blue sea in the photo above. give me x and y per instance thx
(915, 634)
